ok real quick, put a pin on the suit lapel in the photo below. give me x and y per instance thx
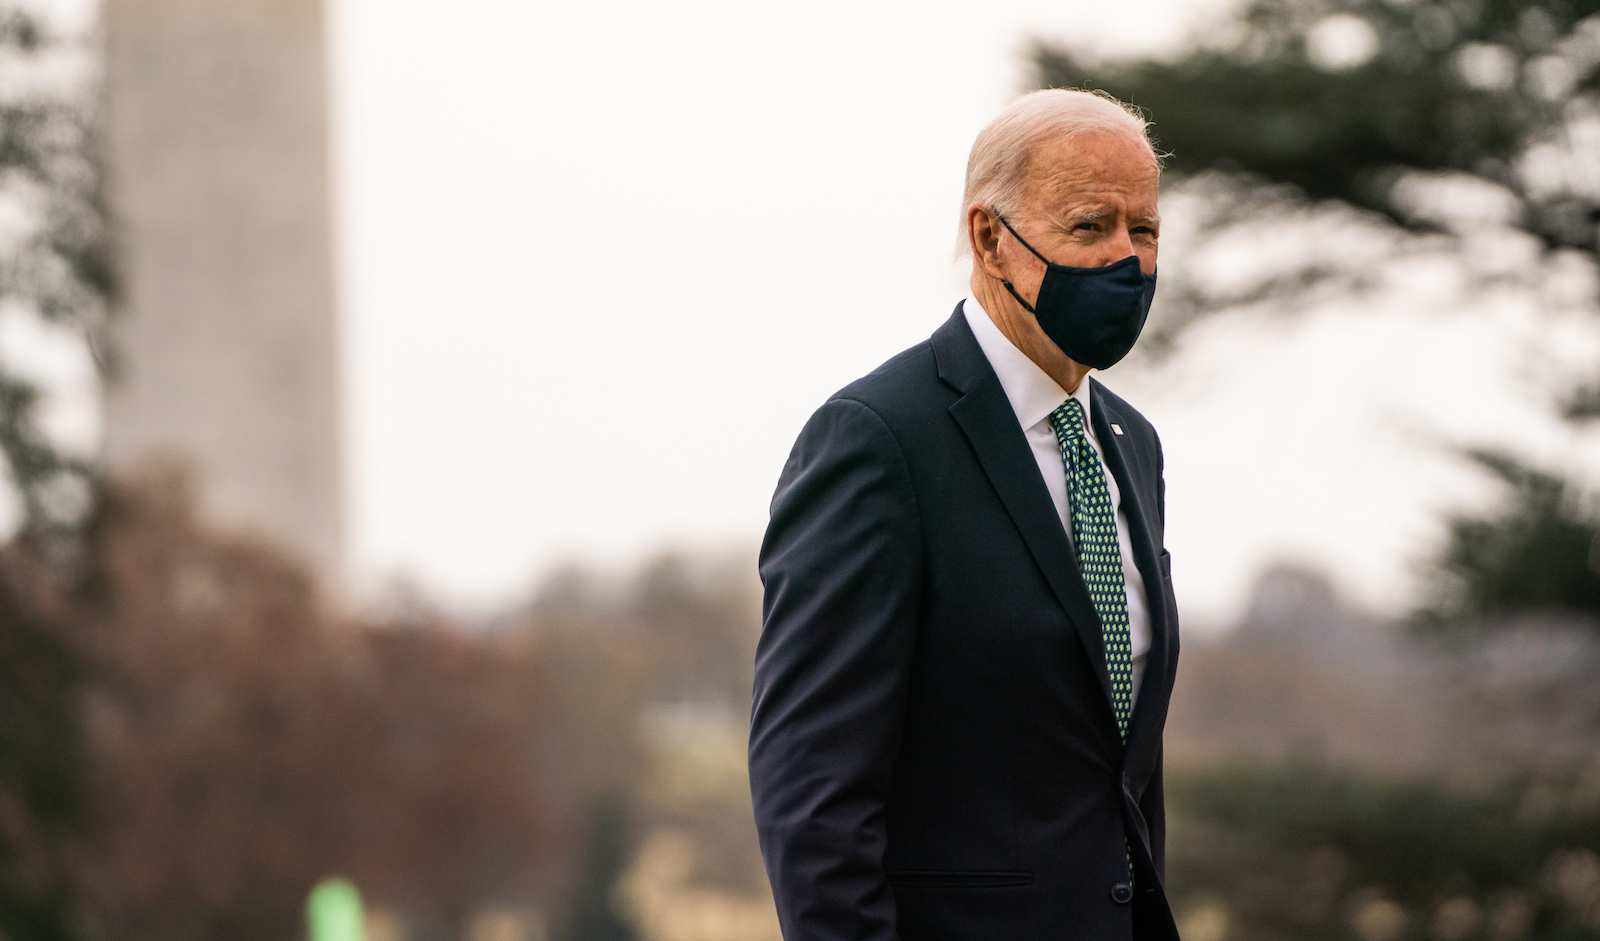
(985, 417)
(1138, 502)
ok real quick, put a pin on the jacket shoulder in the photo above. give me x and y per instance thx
(905, 383)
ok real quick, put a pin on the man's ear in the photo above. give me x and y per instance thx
(983, 232)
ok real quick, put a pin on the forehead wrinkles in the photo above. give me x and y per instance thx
(1093, 175)
(1082, 193)
(1101, 153)
(1063, 186)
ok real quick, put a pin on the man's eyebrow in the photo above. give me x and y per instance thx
(1087, 215)
(1101, 215)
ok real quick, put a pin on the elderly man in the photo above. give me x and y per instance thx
(969, 633)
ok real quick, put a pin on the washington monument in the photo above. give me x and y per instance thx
(219, 173)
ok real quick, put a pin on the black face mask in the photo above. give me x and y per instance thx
(1093, 314)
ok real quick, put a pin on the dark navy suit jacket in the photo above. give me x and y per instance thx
(933, 751)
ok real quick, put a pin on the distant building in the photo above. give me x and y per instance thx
(1296, 606)
(219, 176)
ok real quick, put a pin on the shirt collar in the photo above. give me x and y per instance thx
(1030, 390)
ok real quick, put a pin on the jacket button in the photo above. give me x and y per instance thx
(1122, 893)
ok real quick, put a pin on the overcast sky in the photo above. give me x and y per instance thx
(599, 262)
(602, 260)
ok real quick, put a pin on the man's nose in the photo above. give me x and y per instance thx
(1116, 248)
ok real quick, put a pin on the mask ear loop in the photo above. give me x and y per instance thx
(1029, 307)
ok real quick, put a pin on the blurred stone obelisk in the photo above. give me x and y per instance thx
(219, 173)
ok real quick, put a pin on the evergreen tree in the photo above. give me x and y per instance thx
(609, 846)
(55, 263)
(1357, 101)
(55, 266)
(41, 768)
(1540, 551)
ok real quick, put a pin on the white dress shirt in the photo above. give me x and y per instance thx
(1033, 396)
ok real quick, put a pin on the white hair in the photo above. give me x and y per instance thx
(998, 165)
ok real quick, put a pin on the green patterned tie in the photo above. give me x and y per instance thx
(1094, 536)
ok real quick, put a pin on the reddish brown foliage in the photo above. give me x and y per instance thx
(246, 741)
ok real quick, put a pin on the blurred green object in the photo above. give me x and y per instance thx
(334, 912)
